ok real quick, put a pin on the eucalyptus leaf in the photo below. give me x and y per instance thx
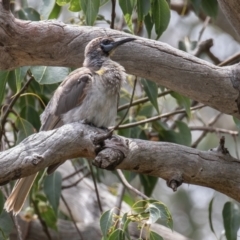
(46, 8)
(210, 7)
(52, 188)
(90, 9)
(3, 81)
(106, 221)
(49, 75)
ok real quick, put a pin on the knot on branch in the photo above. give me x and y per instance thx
(175, 182)
(35, 159)
(110, 153)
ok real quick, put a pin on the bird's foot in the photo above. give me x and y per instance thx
(99, 140)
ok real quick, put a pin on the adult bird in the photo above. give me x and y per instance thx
(88, 94)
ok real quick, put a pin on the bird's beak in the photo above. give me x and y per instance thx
(111, 46)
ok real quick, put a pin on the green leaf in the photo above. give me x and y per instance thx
(143, 7)
(231, 220)
(210, 7)
(48, 215)
(148, 24)
(62, 2)
(148, 183)
(28, 14)
(75, 6)
(49, 75)
(184, 135)
(118, 234)
(52, 189)
(3, 81)
(183, 102)
(90, 9)
(31, 115)
(127, 8)
(106, 221)
(6, 225)
(1, 202)
(46, 8)
(25, 129)
(102, 2)
(160, 15)
(210, 215)
(151, 90)
(20, 74)
(155, 236)
(196, 5)
(55, 12)
(237, 122)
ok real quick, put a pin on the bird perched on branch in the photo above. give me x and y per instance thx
(88, 94)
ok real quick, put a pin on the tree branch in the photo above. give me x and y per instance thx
(172, 162)
(52, 43)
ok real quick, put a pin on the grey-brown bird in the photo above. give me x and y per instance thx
(88, 94)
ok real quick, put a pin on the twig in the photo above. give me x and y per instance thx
(74, 173)
(142, 100)
(70, 212)
(15, 98)
(75, 183)
(158, 117)
(213, 129)
(120, 194)
(211, 123)
(113, 15)
(19, 232)
(96, 189)
(231, 60)
(206, 22)
(129, 186)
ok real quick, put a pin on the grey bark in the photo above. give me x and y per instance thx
(52, 43)
(175, 163)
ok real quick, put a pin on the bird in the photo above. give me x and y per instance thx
(89, 94)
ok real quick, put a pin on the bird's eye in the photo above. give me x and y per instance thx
(106, 41)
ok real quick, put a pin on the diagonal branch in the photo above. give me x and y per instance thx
(52, 43)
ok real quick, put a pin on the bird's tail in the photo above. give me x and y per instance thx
(19, 194)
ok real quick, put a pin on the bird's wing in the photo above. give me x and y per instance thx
(68, 95)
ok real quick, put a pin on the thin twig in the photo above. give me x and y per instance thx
(70, 212)
(158, 117)
(129, 186)
(142, 100)
(213, 129)
(74, 173)
(113, 15)
(15, 98)
(96, 189)
(75, 183)
(120, 194)
(231, 60)
(16, 224)
(206, 22)
(211, 123)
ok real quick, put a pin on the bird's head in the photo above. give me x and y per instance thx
(100, 49)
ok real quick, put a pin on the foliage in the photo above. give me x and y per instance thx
(22, 119)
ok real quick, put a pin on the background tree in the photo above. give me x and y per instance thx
(164, 110)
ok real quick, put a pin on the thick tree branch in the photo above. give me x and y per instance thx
(231, 9)
(172, 162)
(57, 44)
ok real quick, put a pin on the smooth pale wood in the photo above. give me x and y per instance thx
(52, 43)
(164, 160)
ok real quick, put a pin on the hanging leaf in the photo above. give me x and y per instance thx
(28, 14)
(155, 236)
(118, 234)
(49, 75)
(143, 7)
(148, 183)
(62, 2)
(196, 5)
(106, 222)
(210, 7)
(231, 220)
(52, 188)
(46, 8)
(55, 12)
(90, 9)
(3, 81)
(184, 134)
(148, 24)
(127, 8)
(210, 215)
(25, 129)
(75, 6)
(6, 225)
(151, 90)
(160, 15)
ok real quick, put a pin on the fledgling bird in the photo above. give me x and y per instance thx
(88, 94)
